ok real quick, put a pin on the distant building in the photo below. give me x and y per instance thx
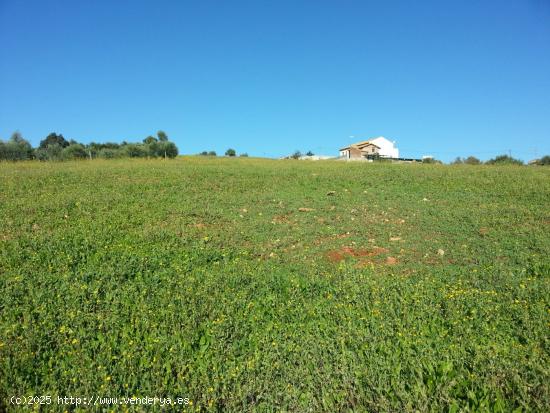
(376, 147)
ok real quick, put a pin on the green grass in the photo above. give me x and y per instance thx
(201, 278)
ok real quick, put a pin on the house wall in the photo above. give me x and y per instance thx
(355, 153)
(369, 150)
(387, 148)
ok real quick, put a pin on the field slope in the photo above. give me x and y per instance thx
(257, 285)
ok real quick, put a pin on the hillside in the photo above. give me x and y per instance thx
(259, 285)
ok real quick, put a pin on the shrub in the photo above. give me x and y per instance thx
(212, 153)
(230, 152)
(244, 155)
(134, 150)
(75, 151)
(504, 160)
(16, 149)
(430, 160)
(545, 160)
(472, 160)
(107, 153)
(296, 155)
(51, 153)
(309, 153)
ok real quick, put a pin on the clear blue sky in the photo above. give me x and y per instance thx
(269, 77)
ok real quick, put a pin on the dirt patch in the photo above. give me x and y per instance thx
(391, 261)
(350, 252)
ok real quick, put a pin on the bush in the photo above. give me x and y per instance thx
(75, 151)
(504, 160)
(431, 160)
(244, 155)
(309, 153)
(107, 153)
(545, 160)
(16, 149)
(51, 153)
(472, 160)
(212, 153)
(296, 155)
(230, 152)
(134, 150)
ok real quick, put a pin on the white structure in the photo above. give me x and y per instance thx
(387, 147)
(380, 145)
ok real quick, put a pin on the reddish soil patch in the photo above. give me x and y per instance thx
(335, 256)
(342, 253)
(391, 261)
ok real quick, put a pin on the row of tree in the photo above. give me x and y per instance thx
(55, 147)
(229, 152)
(500, 160)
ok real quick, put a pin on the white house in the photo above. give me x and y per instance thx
(379, 146)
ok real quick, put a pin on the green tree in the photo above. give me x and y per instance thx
(163, 137)
(504, 160)
(458, 161)
(296, 155)
(149, 139)
(212, 153)
(53, 139)
(230, 152)
(167, 149)
(15, 149)
(244, 155)
(309, 153)
(472, 160)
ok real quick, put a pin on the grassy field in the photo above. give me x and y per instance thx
(258, 285)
